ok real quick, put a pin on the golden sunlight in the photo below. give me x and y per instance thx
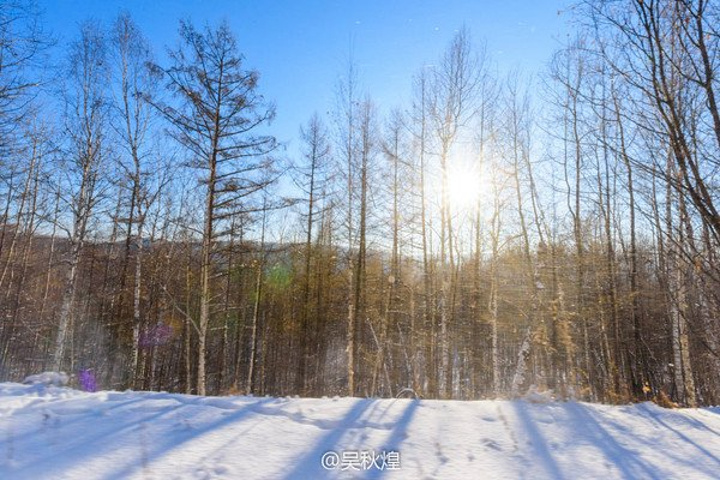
(466, 186)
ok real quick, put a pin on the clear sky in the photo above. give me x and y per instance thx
(301, 47)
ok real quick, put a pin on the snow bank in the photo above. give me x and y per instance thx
(57, 379)
(61, 433)
(534, 395)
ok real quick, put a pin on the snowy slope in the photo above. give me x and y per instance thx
(54, 433)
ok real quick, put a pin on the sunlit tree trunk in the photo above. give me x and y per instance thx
(89, 74)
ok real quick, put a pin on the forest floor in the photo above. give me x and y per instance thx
(50, 432)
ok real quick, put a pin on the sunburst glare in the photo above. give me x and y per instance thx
(467, 186)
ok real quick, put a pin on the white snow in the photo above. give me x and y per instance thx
(48, 378)
(49, 432)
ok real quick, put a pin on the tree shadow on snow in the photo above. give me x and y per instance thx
(68, 450)
(629, 462)
(396, 437)
(309, 466)
(51, 419)
(115, 433)
(164, 444)
(656, 417)
(537, 440)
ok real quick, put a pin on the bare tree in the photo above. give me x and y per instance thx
(313, 175)
(22, 43)
(216, 118)
(348, 140)
(86, 128)
(143, 172)
(452, 101)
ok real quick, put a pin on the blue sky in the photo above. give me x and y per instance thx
(301, 47)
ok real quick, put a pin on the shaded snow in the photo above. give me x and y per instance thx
(51, 432)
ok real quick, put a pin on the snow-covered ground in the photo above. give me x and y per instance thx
(50, 432)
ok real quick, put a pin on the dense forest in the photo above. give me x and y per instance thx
(496, 235)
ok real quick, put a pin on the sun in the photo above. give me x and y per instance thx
(465, 188)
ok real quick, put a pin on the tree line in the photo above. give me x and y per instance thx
(146, 235)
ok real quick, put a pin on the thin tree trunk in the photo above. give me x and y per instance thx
(256, 309)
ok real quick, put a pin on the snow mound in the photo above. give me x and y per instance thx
(534, 395)
(57, 379)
